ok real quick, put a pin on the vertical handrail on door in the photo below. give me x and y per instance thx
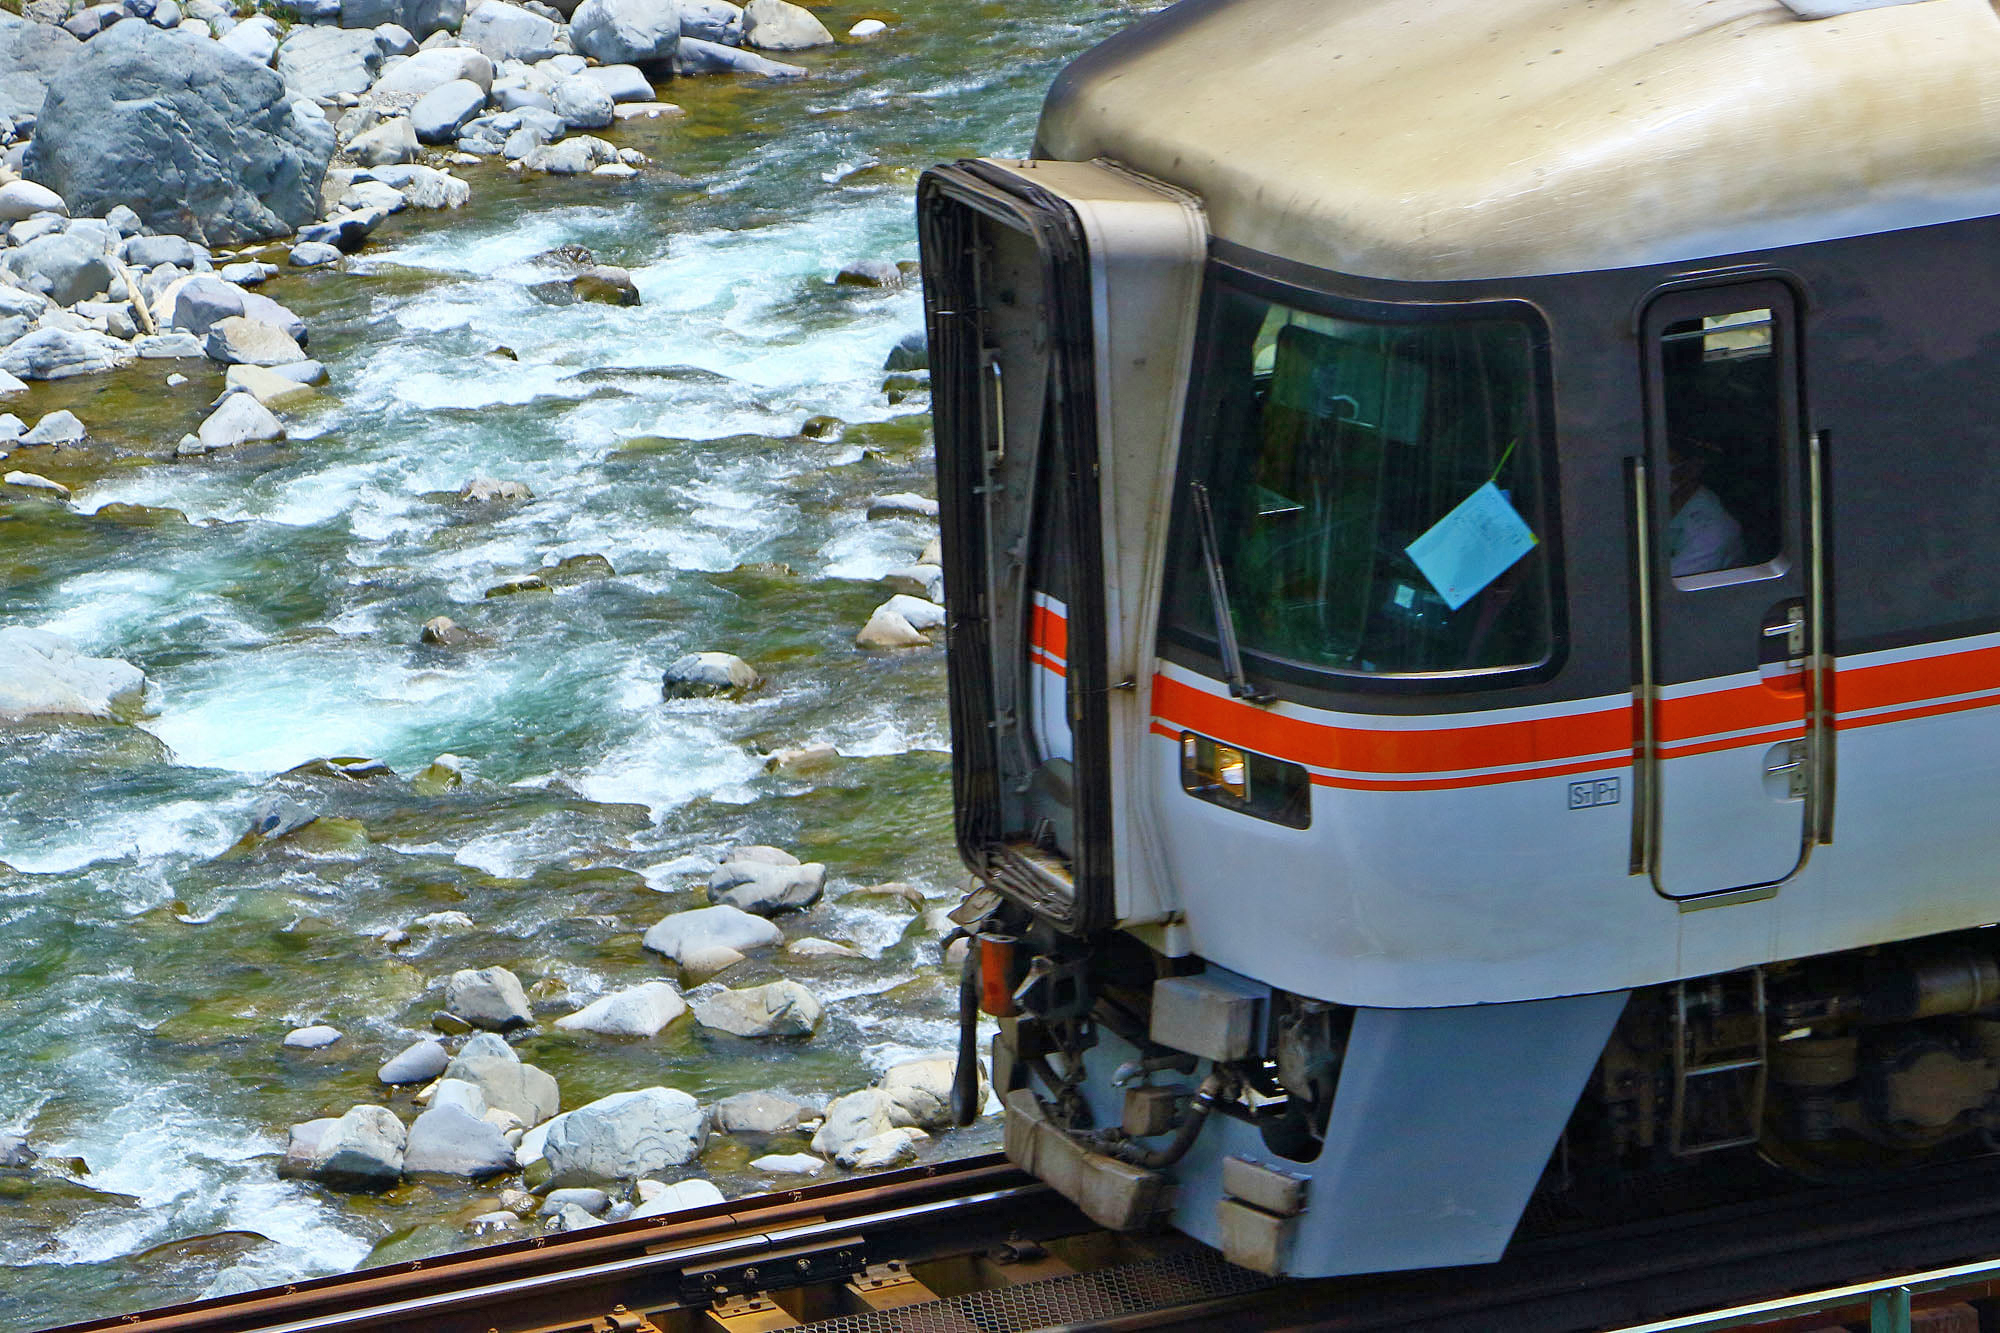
(1645, 757)
(1820, 675)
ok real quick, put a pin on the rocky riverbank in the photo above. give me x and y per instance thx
(556, 636)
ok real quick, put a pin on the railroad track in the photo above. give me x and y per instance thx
(978, 1247)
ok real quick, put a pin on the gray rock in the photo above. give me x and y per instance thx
(149, 251)
(911, 352)
(508, 1084)
(247, 272)
(509, 32)
(458, 1093)
(440, 113)
(394, 140)
(431, 69)
(789, 1164)
(396, 39)
(43, 675)
(322, 63)
(766, 889)
(447, 1141)
(489, 490)
(571, 157)
(275, 816)
(625, 1135)
(758, 1113)
(373, 194)
(15, 1152)
(892, 1147)
(302, 1148)
(620, 32)
(694, 674)
(488, 997)
(69, 268)
(240, 420)
(425, 187)
(20, 200)
(302, 372)
(695, 56)
(315, 1038)
(166, 14)
(581, 102)
(314, 254)
(712, 21)
(57, 428)
(694, 938)
(591, 1200)
(87, 23)
(902, 504)
(168, 346)
(853, 1119)
(622, 83)
(363, 1150)
(28, 229)
(124, 221)
(30, 54)
(194, 139)
(919, 1091)
(425, 17)
(779, 1009)
(640, 1011)
(203, 302)
(35, 486)
(881, 273)
(513, 94)
(606, 284)
(659, 1200)
(249, 342)
(255, 39)
(53, 354)
(527, 140)
(258, 306)
(778, 25)
(419, 1062)
(370, 13)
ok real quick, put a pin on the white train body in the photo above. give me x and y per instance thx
(1338, 685)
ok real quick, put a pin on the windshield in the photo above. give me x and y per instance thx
(1376, 490)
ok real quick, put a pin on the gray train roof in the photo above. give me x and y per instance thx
(1450, 139)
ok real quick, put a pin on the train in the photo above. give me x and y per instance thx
(1472, 563)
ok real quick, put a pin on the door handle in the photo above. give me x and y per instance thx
(1792, 629)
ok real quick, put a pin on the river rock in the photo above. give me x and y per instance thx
(627, 32)
(68, 268)
(707, 674)
(902, 504)
(853, 1119)
(870, 273)
(778, 25)
(920, 612)
(867, 30)
(203, 301)
(273, 390)
(802, 758)
(758, 1113)
(194, 139)
(240, 420)
(712, 21)
(640, 1011)
(30, 54)
(15, 1152)
(457, 1092)
(488, 490)
(919, 1091)
(419, 1062)
(892, 1147)
(572, 157)
(322, 63)
(789, 1164)
(302, 1147)
(508, 1084)
(242, 340)
(427, 71)
(811, 946)
(509, 32)
(778, 1009)
(314, 254)
(591, 1200)
(363, 1150)
(36, 486)
(393, 141)
(448, 1141)
(20, 200)
(658, 1200)
(255, 39)
(695, 56)
(911, 352)
(315, 1038)
(150, 251)
(373, 196)
(582, 104)
(488, 997)
(60, 427)
(767, 889)
(444, 632)
(761, 853)
(695, 938)
(168, 346)
(425, 187)
(627, 1134)
(622, 83)
(440, 113)
(606, 284)
(43, 675)
(887, 629)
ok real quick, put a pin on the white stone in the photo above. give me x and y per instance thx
(363, 1151)
(626, 1135)
(526, 1091)
(921, 613)
(892, 1147)
(43, 487)
(706, 929)
(640, 1011)
(56, 428)
(867, 30)
(488, 997)
(778, 1009)
(21, 199)
(657, 1200)
(317, 1037)
(886, 629)
(240, 420)
(42, 674)
(811, 946)
(852, 1119)
(789, 1164)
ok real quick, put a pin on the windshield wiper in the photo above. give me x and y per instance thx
(1218, 596)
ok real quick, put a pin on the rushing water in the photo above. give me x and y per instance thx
(147, 975)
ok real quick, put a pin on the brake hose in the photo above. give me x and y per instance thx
(1152, 1159)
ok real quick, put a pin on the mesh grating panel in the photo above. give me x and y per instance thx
(1152, 1284)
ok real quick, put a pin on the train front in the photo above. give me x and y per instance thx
(1297, 772)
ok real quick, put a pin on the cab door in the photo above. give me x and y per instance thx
(1731, 746)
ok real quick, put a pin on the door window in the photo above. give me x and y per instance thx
(1719, 391)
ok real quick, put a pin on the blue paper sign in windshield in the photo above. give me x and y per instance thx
(1472, 545)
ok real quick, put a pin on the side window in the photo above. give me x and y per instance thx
(1720, 397)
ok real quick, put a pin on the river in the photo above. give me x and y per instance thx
(147, 977)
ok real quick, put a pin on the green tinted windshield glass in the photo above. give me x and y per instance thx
(1377, 498)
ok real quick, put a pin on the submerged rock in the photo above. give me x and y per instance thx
(15, 1152)
(640, 1011)
(419, 1062)
(43, 675)
(626, 1135)
(779, 1009)
(488, 997)
(445, 632)
(695, 56)
(708, 673)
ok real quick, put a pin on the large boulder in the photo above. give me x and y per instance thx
(440, 113)
(240, 420)
(582, 103)
(42, 674)
(488, 997)
(322, 63)
(30, 54)
(779, 25)
(509, 32)
(522, 1090)
(640, 1011)
(239, 340)
(626, 1135)
(434, 68)
(68, 268)
(696, 939)
(194, 139)
(54, 354)
(363, 1150)
(627, 32)
(758, 1113)
(919, 1091)
(853, 1119)
(449, 1141)
(780, 1009)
